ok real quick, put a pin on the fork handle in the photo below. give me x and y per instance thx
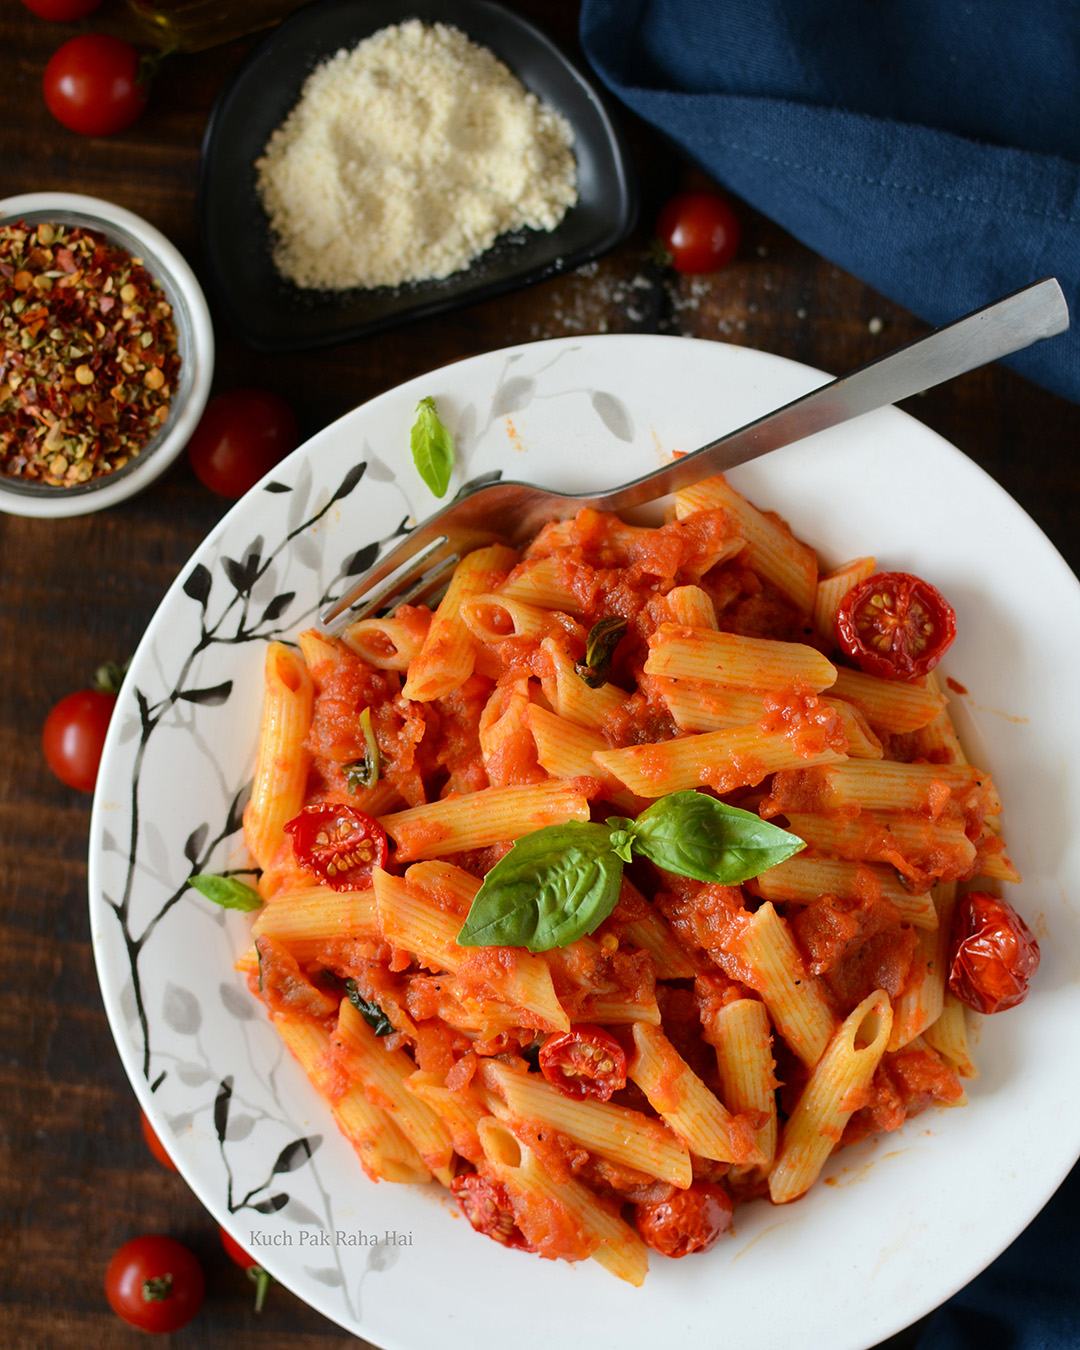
(1037, 311)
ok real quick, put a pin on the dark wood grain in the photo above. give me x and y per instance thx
(75, 1177)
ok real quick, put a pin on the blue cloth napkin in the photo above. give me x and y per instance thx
(931, 147)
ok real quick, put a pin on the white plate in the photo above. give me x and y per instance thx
(906, 1220)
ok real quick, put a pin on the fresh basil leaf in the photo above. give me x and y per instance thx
(432, 448)
(553, 887)
(227, 892)
(372, 1014)
(364, 773)
(600, 645)
(696, 836)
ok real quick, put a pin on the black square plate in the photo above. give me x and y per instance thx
(271, 314)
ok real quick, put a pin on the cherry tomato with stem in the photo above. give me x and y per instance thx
(689, 1221)
(95, 85)
(992, 954)
(486, 1206)
(155, 1282)
(73, 736)
(340, 844)
(154, 1144)
(260, 1278)
(698, 232)
(895, 625)
(62, 11)
(240, 437)
(585, 1061)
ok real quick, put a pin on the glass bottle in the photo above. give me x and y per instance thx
(192, 25)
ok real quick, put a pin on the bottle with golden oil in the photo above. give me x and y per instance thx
(192, 25)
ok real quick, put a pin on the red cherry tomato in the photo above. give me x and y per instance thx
(699, 231)
(155, 1283)
(61, 11)
(895, 625)
(485, 1205)
(339, 844)
(74, 736)
(241, 436)
(92, 85)
(690, 1221)
(585, 1061)
(154, 1144)
(993, 954)
(262, 1279)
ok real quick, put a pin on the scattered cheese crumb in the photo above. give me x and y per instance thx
(406, 158)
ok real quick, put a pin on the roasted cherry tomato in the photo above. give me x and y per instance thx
(485, 1205)
(585, 1061)
(690, 1221)
(339, 844)
(155, 1283)
(154, 1144)
(93, 85)
(699, 232)
(61, 11)
(241, 436)
(895, 625)
(260, 1278)
(74, 736)
(993, 954)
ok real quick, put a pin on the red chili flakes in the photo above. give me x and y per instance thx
(88, 359)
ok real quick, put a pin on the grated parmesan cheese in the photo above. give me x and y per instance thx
(406, 158)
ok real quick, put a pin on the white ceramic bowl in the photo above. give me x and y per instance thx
(195, 343)
(902, 1221)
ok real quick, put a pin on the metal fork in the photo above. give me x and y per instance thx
(513, 512)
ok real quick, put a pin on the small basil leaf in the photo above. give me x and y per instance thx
(364, 773)
(553, 887)
(696, 836)
(621, 842)
(372, 1014)
(600, 646)
(432, 448)
(227, 892)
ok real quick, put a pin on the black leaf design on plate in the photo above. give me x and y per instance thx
(180, 1010)
(514, 394)
(221, 1108)
(349, 481)
(236, 810)
(195, 841)
(360, 561)
(296, 1154)
(276, 487)
(197, 584)
(208, 698)
(243, 575)
(272, 1205)
(277, 607)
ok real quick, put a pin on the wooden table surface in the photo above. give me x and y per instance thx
(75, 1177)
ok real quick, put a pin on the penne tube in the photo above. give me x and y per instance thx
(923, 996)
(384, 1152)
(831, 589)
(802, 879)
(684, 1103)
(949, 1036)
(570, 697)
(480, 819)
(692, 607)
(834, 1091)
(494, 617)
(882, 785)
(565, 750)
(736, 662)
(383, 1074)
(386, 644)
(539, 1201)
(909, 842)
(741, 1035)
(448, 655)
(281, 767)
(889, 705)
(722, 760)
(794, 998)
(771, 548)
(626, 1137)
(318, 914)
